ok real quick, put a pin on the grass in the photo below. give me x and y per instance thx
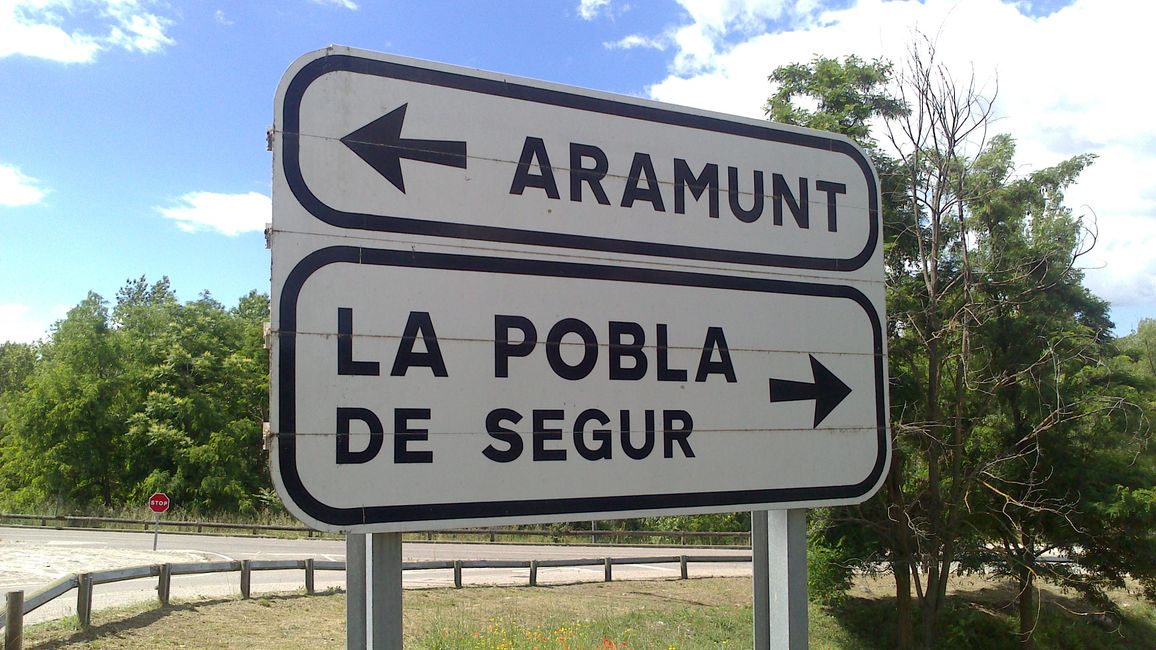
(698, 613)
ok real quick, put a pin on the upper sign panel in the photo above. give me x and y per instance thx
(378, 143)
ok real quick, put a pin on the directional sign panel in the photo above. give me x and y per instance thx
(503, 301)
(389, 145)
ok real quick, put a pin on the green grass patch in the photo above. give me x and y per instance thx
(697, 613)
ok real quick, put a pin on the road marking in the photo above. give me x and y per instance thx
(651, 567)
(220, 555)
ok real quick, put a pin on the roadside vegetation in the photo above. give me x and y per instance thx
(684, 614)
(1020, 422)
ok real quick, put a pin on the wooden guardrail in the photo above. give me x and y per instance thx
(17, 605)
(682, 538)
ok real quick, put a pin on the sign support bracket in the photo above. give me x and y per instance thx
(779, 553)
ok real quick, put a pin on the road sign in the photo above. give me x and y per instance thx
(380, 144)
(499, 301)
(159, 502)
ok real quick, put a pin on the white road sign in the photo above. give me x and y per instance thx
(387, 145)
(498, 300)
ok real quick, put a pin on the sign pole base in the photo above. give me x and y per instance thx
(355, 621)
(779, 552)
(385, 618)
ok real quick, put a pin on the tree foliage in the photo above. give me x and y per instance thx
(846, 95)
(150, 394)
(1016, 430)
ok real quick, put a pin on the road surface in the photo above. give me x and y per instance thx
(30, 558)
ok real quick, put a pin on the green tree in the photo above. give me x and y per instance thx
(196, 432)
(17, 361)
(156, 395)
(847, 94)
(1057, 424)
(66, 438)
(993, 344)
(1140, 347)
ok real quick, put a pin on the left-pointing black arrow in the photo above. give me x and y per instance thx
(827, 390)
(380, 144)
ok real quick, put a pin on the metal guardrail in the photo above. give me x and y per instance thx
(493, 534)
(69, 521)
(17, 605)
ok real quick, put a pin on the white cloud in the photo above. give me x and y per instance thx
(590, 9)
(227, 214)
(75, 31)
(24, 324)
(638, 41)
(18, 190)
(345, 4)
(222, 19)
(1067, 84)
(135, 30)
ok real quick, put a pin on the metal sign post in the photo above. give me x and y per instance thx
(356, 622)
(385, 616)
(373, 573)
(779, 553)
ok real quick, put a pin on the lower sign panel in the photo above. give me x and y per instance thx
(424, 390)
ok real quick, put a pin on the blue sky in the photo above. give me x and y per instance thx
(132, 132)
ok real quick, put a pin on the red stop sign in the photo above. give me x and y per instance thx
(159, 502)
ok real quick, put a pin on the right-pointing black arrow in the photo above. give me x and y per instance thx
(826, 389)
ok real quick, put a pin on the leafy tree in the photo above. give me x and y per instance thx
(154, 395)
(1140, 347)
(997, 351)
(847, 95)
(197, 430)
(1057, 424)
(65, 440)
(17, 361)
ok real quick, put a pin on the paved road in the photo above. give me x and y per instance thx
(33, 557)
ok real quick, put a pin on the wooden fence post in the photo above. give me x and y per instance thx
(164, 583)
(14, 621)
(309, 574)
(606, 569)
(533, 573)
(246, 579)
(682, 566)
(84, 600)
(457, 574)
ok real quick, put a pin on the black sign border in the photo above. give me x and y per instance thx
(401, 514)
(327, 63)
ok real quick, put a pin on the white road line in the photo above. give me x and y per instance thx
(652, 567)
(220, 555)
